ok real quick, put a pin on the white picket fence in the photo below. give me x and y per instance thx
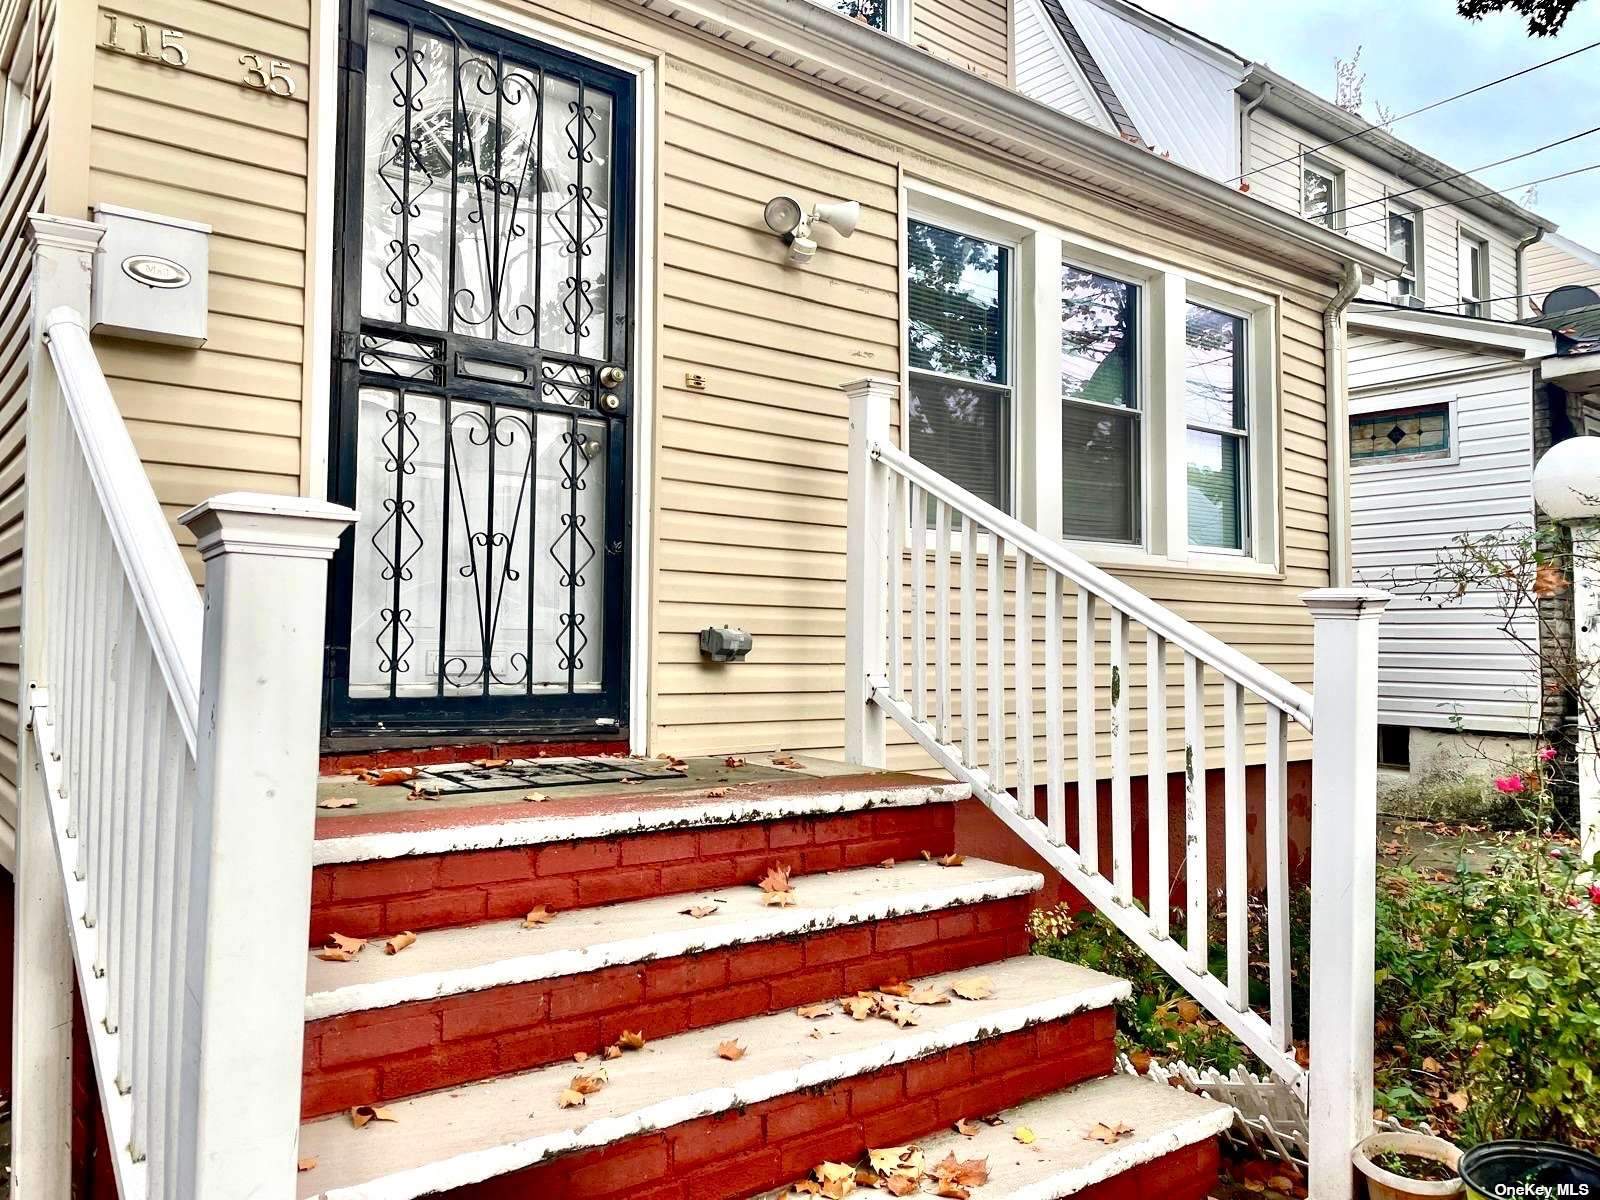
(166, 797)
(919, 545)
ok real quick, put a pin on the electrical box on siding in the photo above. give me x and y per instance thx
(150, 277)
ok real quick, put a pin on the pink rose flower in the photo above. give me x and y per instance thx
(1546, 754)
(1594, 894)
(1509, 784)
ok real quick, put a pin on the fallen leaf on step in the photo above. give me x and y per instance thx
(776, 886)
(733, 761)
(966, 1127)
(535, 797)
(631, 1040)
(571, 1098)
(952, 860)
(901, 1014)
(975, 987)
(581, 1056)
(699, 911)
(363, 1114)
(338, 802)
(968, 1172)
(992, 1121)
(887, 864)
(611, 1051)
(489, 764)
(901, 1184)
(399, 942)
(306, 1164)
(837, 1179)
(860, 1006)
(805, 1187)
(927, 856)
(537, 917)
(339, 948)
(716, 793)
(928, 995)
(1109, 1134)
(586, 1083)
(390, 776)
(789, 761)
(672, 760)
(1024, 1135)
(812, 1012)
(731, 1051)
(892, 1159)
(896, 988)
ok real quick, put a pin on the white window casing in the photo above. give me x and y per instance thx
(1039, 252)
(1472, 272)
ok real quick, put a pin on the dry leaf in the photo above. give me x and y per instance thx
(587, 1083)
(974, 987)
(777, 888)
(887, 864)
(812, 1012)
(900, 1185)
(306, 1164)
(1548, 580)
(837, 1179)
(1457, 1101)
(780, 899)
(489, 764)
(789, 761)
(992, 1121)
(901, 1014)
(339, 948)
(1431, 1064)
(571, 1098)
(535, 797)
(971, 1172)
(1024, 1135)
(610, 1052)
(399, 942)
(538, 916)
(581, 1056)
(896, 988)
(699, 910)
(1109, 1134)
(966, 1128)
(633, 1040)
(952, 860)
(928, 995)
(716, 793)
(731, 1051)
(890, 1159)
(927, 856)
(860, 1006)
(390, 776)
(733, 760)
(1188, 1011)
(363, 1114)
(338, 802)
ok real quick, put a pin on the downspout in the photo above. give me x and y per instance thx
(1525, 302)
(1336, 390)
(1244, 127)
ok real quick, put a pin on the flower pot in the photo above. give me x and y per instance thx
(1529, 1169)
(1386, 1185)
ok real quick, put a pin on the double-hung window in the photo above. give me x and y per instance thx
(1403, 245)
(958, 292)
(1216, 415)
(1100, 407)
(1473, 268)
(1322, 194)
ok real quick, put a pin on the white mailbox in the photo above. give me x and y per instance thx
(150, 277)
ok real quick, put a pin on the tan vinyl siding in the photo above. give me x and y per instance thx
(195, 144)
(1546, 266)
(23, 193)
(974, 34)
(751, 480)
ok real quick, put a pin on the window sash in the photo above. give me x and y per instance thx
(1075, 484)
(1473, 271)
(1326, 215)
(959, 467)
(1235, 434)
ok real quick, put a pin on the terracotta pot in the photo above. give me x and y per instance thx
(1386, 1185)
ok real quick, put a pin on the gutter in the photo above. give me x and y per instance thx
(885, 72)
(1245, 139)
(1337, 403)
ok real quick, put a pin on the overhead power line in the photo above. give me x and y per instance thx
(1422, 208)
(1418, 111)
(1433, 183)
(1491, 299)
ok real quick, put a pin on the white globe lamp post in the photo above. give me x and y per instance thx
(1566, 486)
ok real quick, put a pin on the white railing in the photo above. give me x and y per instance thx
(168, 802)
(957, 629)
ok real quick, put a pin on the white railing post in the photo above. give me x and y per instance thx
(266, 561)
(41, 1123)
(866, 571)
(1344, 847)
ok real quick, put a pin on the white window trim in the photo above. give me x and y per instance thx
(897, 18)
(1481, 285)
(1038, 250)
(1418, 243)
(1335, 175)
(17, 52)
(1399, 402)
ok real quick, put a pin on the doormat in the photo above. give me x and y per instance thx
(449, 779)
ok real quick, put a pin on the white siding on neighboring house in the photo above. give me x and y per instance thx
(1554, 261)
(1045, 69)
(1444, 662)
(1180, 96)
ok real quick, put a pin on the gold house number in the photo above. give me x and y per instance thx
(165, 47)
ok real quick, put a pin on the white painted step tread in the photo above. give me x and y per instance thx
(448, 962)
(1063, 1160)
(464, 1135)
(579, 817)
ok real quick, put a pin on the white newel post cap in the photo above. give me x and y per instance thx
(256, 523)
(862, 389)
(1347, 604)
(1566, 483)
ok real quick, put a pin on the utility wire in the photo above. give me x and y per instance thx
(1417, 111)
(1489, 299)
(1480, 196)
(1433, 183)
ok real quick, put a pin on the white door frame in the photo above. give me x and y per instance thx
(317, 394)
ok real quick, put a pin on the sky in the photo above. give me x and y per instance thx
(1416, 51)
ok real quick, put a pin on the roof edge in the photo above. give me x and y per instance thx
(1509, 336)
(877, 68)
